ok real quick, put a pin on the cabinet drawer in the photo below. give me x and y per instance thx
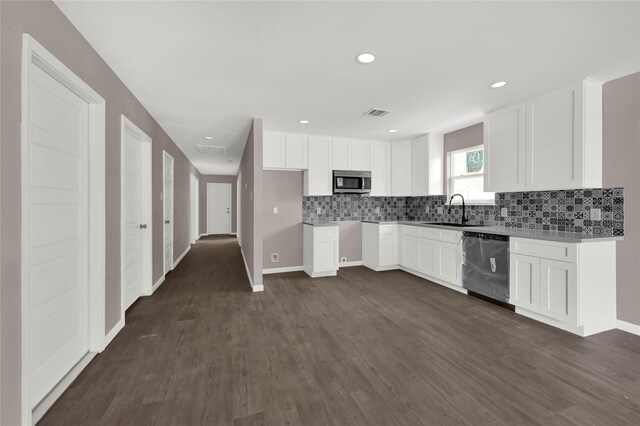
(545, 249)
(390, 229)
(325, 231)
(431, 233)
(409, 230)
(450, 236)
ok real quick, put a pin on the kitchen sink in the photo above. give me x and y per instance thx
(457, 225)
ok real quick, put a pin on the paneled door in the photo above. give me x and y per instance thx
(167, 196)
(524, 282)
(218, 208)
(56, 239)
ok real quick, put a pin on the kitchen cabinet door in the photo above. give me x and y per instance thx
(317, 177)
(419, 167)
(409, 252)
(448, 263)
(524, 282)
(388, 249)
(427, 253)
(341, 154)
(380, 162)
(359, 155)
(274, 151)
(296, 151)
(401, 169)
(504, 149)
(558, 290)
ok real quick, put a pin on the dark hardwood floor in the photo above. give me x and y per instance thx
(362, 348)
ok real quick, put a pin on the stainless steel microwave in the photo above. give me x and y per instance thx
(351, 182)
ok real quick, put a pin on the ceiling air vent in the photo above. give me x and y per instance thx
(211, 149)
(376, 112)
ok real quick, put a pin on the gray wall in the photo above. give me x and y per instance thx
(282, 232)
(204, 180)
(351, 240)
(621, 135)
(251, 194)
(460, 139)
(45, 22)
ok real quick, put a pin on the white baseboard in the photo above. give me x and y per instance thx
(184, 253)
(157, 284)
(628, 327)
(58, 389)
(234, 233)
(204, 234)
(281, 270)
(113, 332)
(352, 263)
(246, 267)
(257, 288)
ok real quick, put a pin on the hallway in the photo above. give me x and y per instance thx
(361, 348)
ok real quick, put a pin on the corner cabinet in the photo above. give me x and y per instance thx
(566, 285)
(553, 141)
(321, 250)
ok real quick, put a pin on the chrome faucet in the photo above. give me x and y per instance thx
(464, 216)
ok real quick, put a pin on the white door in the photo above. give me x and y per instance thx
(218, 208)
(524, 282)
(167, 196)
(558, 290)
(132, 256)
(296, 151)
(317, 179)
(401, 169)
(340, 153)
(56, 237)
(274, 153)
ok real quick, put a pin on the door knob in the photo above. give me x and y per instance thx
(143, 226)
(166, 222)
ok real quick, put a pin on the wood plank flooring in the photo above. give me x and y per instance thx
(363, 348)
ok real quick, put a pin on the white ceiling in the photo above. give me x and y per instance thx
(206, 68)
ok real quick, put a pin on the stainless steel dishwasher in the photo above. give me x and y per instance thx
(485, 266)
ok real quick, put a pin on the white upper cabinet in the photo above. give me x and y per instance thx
(564, 138)
(426, 165)
(401, 168)
(359, 155)
(504, 149)
(317, 177)
(295, 151)
(380, 162)
(553, 141)
(274, 151)
(341, 153)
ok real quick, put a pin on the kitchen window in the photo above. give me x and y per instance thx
(466, 176)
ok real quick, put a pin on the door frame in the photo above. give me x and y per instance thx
(230, 206)
(195, 209)
(127, 125)
(239, 208)
(165, 154)
(34, 54)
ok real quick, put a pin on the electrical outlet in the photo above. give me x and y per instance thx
(343, 259)
(275, 210)
(504, 212)
(426, 209)
(275, 257)
(377, 210)
(596, 214)
(440, 210)
(318, 210)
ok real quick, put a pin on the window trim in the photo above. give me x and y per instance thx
(457, 201)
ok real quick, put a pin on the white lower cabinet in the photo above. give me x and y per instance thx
(427, 256)
(409, 251)
(320, 250)
(449, 262)
(577, 294)
(380, 246)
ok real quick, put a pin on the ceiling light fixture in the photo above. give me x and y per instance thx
(498, 84)
(365, 58)
(209, 138)
(392, 130)
(304, 121)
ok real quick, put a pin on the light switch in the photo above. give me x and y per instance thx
(275, 210)
(596, 214)
(426, 209)
(440, 210)
(319, 210)
(504, 212)
(377, 210)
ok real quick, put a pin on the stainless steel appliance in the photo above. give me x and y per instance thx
(485, 266)
(351, 182)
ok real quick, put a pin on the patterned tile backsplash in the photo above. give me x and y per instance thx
(567, 210)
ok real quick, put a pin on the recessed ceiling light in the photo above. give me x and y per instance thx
(392, 130)
(365, 58)
(498, 84)
(209, 138)
(304, 121)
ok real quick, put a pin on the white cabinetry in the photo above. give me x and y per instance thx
(426, 165)
(562, 141)
(350, 154)
(284, 151)
(408, 247)
(317, 177)
(380, 246)
(504, 149)
(401, 168)
(569, 286)
(320, 250)
(380, 162)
